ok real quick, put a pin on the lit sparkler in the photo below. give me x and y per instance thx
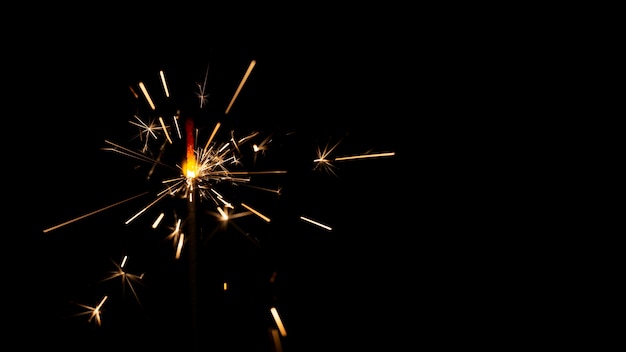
(201, 175)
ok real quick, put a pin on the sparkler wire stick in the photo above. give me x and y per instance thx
(191, 167)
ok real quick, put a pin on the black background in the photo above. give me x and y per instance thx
(347, 78)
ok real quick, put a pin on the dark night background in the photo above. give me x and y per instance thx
(365, 284)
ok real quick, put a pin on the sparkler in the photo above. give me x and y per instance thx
(206, 176)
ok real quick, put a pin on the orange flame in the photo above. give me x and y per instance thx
(190, 165)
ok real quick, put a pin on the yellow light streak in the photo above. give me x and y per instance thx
(165, 130)
(243, 81)
(256, 212)
(278, 321)
(317, 223)
(164, 83)
(92, 213)
(364, 156)
(156, 222)
(217, 126)
(145, 94)
(133, 92)
(145, 208)
(179, 249)
(278, 347)
(222, 213)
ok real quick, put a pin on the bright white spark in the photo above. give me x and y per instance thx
(164, 83)
(144, 90)
(316, 223)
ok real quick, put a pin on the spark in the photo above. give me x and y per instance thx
(278, 321)
(325, 162)
(255, 212)
(178, 238)
(243, 81)
(147, 130)
(132, 91)
(202, 88)
(144, 209)
(208, 142)
(95, 313)
(156, 222)
(365, 156)
(317, 223)
(224, 217)
(92, 213)
(165, 130)
(127, 278)
(144, 90)
(164, 83)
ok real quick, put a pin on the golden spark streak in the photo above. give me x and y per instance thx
(252, 172)
(165, 130)
(94, 312)
(364, 156)
(179, 249)
(167, 92)
(156, 222)
(222, 213)
(92, 213)
(97, 310)
(146, 208)
(277, 345)
(217, 126)
(316, 223)
(278, 321)
(256, 212)
(243, 80)
(145, 94)
(277, 191)
(177, 127)
(133, 91)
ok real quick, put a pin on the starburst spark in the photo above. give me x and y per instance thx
(95, 313)
(202, 95)
(127, 278)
